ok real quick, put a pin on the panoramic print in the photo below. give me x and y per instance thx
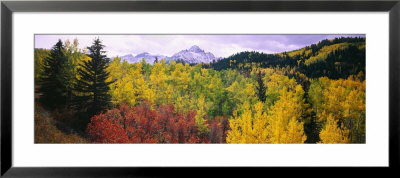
(227, 89)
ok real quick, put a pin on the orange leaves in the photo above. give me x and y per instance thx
(103, 130)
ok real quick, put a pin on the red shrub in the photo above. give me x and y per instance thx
(102, 130)
(141, 124)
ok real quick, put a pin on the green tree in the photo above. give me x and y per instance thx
(261, 88)
(40, 55)
(52, 87)
(69, 68)
(92, 85)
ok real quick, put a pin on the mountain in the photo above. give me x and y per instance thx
(150, 58)
(138, 58)
(194, 55)
(129, 58)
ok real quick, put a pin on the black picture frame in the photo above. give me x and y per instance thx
(8, 7)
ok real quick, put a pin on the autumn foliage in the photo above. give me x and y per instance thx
(102, 130)
(141, 124)
(316, 94)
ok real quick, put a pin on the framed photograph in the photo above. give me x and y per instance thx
(104, 88)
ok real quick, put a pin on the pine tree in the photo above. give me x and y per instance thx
(92, 86)
(261, 88)
(51, 82)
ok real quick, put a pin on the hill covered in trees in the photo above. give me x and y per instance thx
(336, 58)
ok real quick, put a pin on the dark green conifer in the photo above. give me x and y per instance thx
(52, 88)
(261, 88)
(91, 87)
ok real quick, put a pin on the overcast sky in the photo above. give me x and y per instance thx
(219, 45)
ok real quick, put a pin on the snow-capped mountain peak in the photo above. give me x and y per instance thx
(150, 58)
(195, 49)
(129, 58)
(193, 55)
(143, 54)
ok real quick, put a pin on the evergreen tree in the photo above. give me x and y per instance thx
(51, 82)
(92, 86)
(68, 70)
(261, 88)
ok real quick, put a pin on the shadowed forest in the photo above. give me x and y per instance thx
(315, 94)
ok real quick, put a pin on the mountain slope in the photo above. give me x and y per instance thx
(336, 58)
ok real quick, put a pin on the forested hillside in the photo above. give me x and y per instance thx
(312, 95)
(336, 58)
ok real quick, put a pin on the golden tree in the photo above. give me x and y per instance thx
(284, 125)
(332, 133)
(249, 127)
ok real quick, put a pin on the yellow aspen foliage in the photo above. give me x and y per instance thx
(158, 83)
(131, 88)
(344, 101)
(180, 76)
(242, 93)
(326, 50)
(179, 104)
(200, 114)
(339, 98)
(332, 133)
(39, 56)
(335, 96)
(183, 104)
(284, 126)
(295, 132)
(249, 90)
(299, 52)
(141, 88)
(178, 87)
(280, 126)
(354, 115)
(275, 83)
(115, 70)
(123, 92)
(249, 127)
